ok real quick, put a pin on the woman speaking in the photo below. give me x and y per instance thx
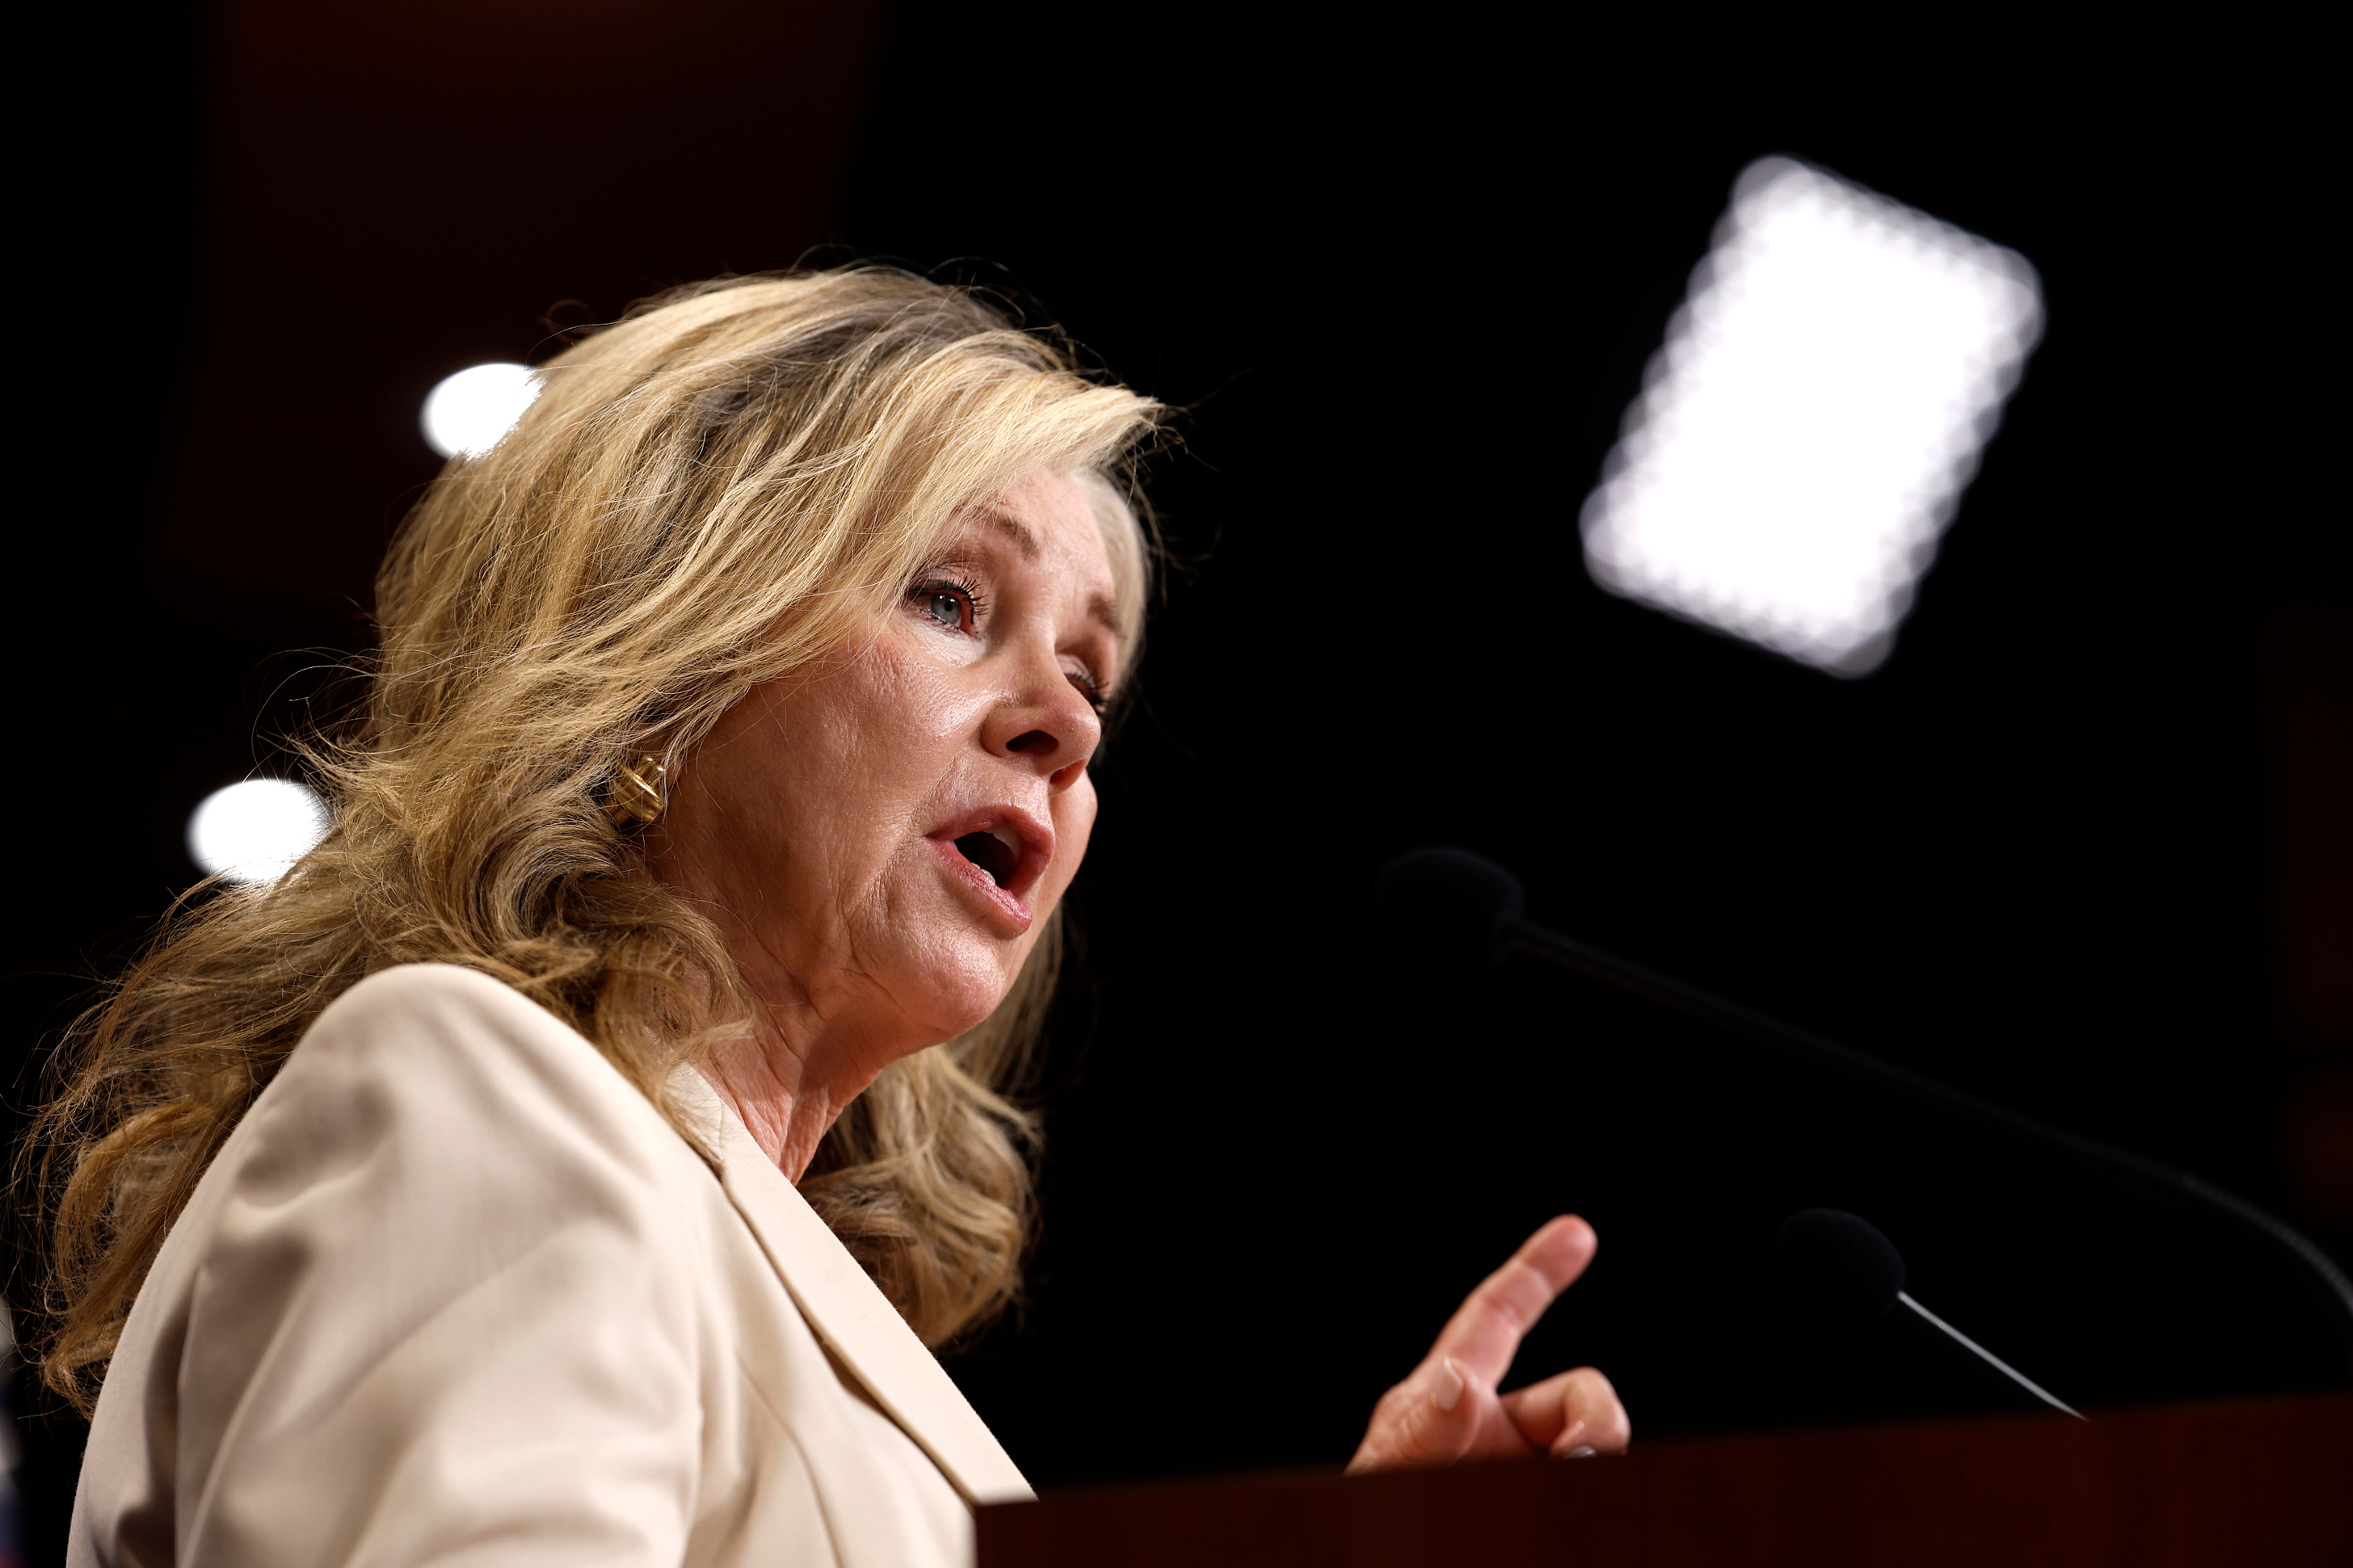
(573, 1159)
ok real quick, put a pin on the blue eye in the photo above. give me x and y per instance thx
(954, 605)
(950, 601)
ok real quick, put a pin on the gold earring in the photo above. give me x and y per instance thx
(637, 792)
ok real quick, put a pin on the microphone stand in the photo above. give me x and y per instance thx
(2114, 1166)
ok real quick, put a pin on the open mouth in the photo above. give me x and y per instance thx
(1000, 853)
(999, 857)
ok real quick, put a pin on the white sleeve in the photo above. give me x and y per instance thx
(445, 1307)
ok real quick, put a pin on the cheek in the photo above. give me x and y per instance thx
(880, 739)
(808, 789)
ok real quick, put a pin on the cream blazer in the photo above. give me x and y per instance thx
(453, 1292)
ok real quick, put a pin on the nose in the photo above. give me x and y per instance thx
(1045, 723)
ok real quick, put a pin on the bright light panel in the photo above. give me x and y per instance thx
(470, 411)
(255, 831)
(1805, 434)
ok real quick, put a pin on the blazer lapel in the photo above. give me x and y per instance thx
(850, 1314)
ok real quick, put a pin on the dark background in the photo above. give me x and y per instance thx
(2081, 846)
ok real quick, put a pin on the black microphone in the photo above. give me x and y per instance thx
(1841, 1269)
(1467, 909)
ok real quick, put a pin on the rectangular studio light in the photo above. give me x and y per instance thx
(1805, 434)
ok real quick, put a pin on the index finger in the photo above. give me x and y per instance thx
(1484, 1333)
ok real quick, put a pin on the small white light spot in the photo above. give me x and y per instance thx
(255, 831)
(470, 411)
(1806, 433)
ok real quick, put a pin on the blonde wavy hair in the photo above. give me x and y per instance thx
(715, 491)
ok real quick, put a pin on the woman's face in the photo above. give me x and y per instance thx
(882, 837)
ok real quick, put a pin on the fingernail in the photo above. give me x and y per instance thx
(1582, 1451)
(1446, 1388)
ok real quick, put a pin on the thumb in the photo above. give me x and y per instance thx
(1428, 1419)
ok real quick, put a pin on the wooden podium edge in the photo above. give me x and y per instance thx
(2253, 1480)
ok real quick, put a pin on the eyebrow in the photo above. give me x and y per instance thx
(1023, 539)
(1103, 611)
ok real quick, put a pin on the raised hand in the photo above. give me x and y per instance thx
(1447, 1408)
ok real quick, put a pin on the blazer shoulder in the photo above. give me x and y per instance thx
(437, 998)
(474, 1058)
(449, 1281)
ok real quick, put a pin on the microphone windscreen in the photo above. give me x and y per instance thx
(1838, 1266)
(1451, 902)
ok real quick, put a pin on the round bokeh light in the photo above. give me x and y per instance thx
(470, 411)
(255, 831)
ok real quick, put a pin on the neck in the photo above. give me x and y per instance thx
(790, 1086)
(787, 1120)
(806, 1056)
(810, 1049)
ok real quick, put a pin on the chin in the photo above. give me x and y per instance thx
(963, 985)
